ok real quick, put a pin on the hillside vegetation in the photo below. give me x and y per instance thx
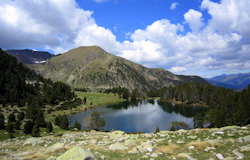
(226, 107)
(94, 69)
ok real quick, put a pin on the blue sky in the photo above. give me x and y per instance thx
(126, 16)
(189, 37)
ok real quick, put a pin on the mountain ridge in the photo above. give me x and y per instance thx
(93, 68)
(234, 81)
(30, 56)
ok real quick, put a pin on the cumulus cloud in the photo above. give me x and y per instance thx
(229, 16)
(223, 42)
(194, 19)
(173, 5)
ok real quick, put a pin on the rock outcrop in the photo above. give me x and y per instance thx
(218, 143)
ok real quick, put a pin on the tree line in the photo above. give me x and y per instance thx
(19, 84)
(226, 107)
(124, 93)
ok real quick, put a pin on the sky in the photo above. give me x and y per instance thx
(187, 37)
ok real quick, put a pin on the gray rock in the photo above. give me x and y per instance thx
(181, 131)
(238, 154)
(219, 156)
(229, 158)
(34, 141)
(191, 147)
(247, 138)
(154, 155)
(219, 133)
(51, 158)
(77, 153)
(117, 134)
(54, 147)
(192, 137)
(245, 148)
(209, 148)
(130, 142)
(133, 151)
(186, 155)
(180, 142)
(117, 147)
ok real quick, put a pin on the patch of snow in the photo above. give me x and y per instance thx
(39, 61)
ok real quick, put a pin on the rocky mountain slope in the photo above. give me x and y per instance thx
(30, 56)
(94, 69)
(231, 142)
(234, 81)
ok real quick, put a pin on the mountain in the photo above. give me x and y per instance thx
(94, 69)
(234, 81)
(30, 56)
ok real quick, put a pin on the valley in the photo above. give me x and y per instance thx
(88, 77)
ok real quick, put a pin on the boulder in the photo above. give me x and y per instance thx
(130, 142)
(238, 154)
(77, 153)
(117, 147)
(180, 142)
(51, 158)
(54, 147)
(181, 131)
(219, 156)
(245, 148)
(117, 134)
(34, 141)
(133, 151)
(192, 137)
(247, 138)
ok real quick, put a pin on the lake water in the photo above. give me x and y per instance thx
(139, 116)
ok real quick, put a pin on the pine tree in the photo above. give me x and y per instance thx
(57, 120)
(9, 127)
(2, 126)
(101, 123)
(94, 119)
(198, 120)
(28, 127)
(77, 125)
(17, 125)
(64, 122)
(12, 117)
(157, 129)
(35, 130)
(20, 116)
(49, 127)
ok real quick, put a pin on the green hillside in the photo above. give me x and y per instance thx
(95, 69)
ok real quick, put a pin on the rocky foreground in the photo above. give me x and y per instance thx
(232, 142)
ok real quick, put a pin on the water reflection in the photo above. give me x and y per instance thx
(186, 111)
(139, 116)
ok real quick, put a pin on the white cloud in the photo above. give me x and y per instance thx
(173, 5)
(62, 25)
(194, 19)
(178, 69)
(229, 16)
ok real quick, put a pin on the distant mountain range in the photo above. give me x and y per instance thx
(95, 69)
(30, 56)
(234, 81)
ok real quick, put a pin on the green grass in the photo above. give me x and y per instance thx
(99, 98)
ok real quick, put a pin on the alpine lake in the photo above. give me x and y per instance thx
(139, 116)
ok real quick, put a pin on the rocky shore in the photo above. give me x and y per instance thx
(231, 142)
